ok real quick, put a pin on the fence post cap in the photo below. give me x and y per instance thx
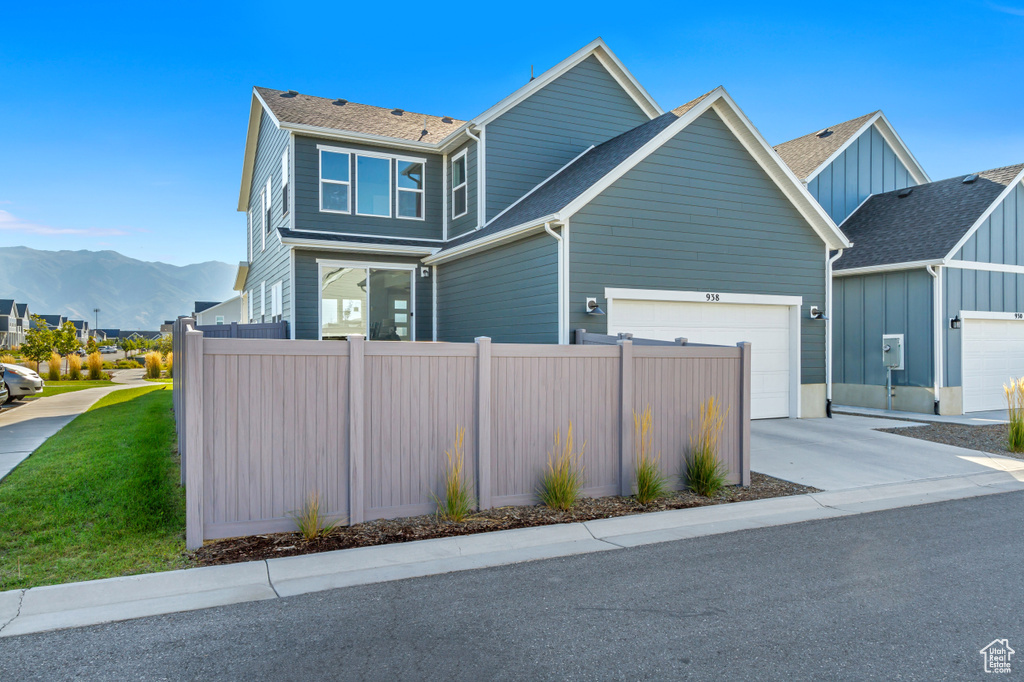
(482, 339)
(624, 342)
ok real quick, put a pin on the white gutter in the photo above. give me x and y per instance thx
(829, 309)
(939, 326)
(562, 335)
(481, 179)
(433, 296)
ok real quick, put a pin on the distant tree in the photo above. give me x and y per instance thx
(91, 347)
(166, 344)
(65, 340)
(38, 343)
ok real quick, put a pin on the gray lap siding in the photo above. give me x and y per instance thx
(307, 290)
(699, 214)
(509, 293)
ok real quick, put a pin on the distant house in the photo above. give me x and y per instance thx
(219, 313)
(24, 321)
(52, 321)
(110, 334)
(82, 327)
(8, 321)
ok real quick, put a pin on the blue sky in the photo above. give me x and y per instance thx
(123, 127)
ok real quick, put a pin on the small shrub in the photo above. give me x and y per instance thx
(153, 362)
(170, 364)
(563, 481)
(74, 368)
(706, 474)
(53, 368)
(1015, 403)
(457, 503)
(650, 482)
(311, 522)
(95, 363)
(32, 365)
(7, 359)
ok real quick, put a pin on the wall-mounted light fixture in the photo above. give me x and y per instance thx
(817, 314)
(955, 322)
(593, 308)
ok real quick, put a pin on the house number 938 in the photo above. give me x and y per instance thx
(712, 297)
(1018, 316)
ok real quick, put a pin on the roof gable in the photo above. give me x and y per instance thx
(929, 224)
(7, 306)
(810, 154)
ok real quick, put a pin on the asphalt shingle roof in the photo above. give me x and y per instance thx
(22, 307)
(6, 306)
(563, 187)
(924, 225)
(804, 154)
(359, 118)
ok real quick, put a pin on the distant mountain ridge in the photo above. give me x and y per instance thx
(130, 293)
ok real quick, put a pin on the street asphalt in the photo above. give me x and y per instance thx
(911, 594)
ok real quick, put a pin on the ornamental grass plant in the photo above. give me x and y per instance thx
(562, 483)
(705, 472)
(153, 365)
(311, 521)
(53, 367)
(651, 483)
(95, 364)
(1015, 404)
(74, 368)
(457, 502)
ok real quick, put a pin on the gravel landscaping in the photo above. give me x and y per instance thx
(988, 438)
(383, 532)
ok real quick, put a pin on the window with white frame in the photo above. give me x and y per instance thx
(410, 189)
(335, 182)
(373, 186)
(284, 183)
(275, 302)
(376, 300)
(248, 299)
(266, 208)
(220, 319)
(459, 185)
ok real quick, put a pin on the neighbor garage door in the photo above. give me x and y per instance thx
(993, 353)
(766, 327)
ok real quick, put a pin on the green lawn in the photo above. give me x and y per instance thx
(161, 380)
(99, 499)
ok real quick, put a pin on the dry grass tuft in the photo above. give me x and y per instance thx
(651, 484)
(95, 363)
(706, 474)
(312, 523)
(1015, 403)
(74, 368)
(53, 368)
(563, 481)
(457, 503)
(153, 365)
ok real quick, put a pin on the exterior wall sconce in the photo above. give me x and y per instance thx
(817, 314)
(593, 308)
(955, 322)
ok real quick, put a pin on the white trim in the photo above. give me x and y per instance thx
(481, 179)
(285, 177)
(987, 267)
(464, 154)
(985, 216)
(829, 307)
(894, 141)
(433, 301)
(263, 220)
(291, 292)
(263, 300)
(987, 315)
(367, 266)
(560, 276)
(492, 240)
(938, 329)
(291, 177)
(248, 233)
(565, 286)
(795, 304)
(248, 298)
(305, 230)
(360, 247)
(422, 191)
(888, 267)
(320, 149)
(391, 197)
(444, 197)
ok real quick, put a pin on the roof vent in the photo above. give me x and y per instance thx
(290, 93)
(446, 119)
(905, 192)
(823, 133)
(970, 178)
(397, 112)
(340, 102)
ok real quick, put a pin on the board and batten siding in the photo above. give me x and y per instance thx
(698, 214)
(508, 293)
(977, 290)
(308, 215)
(998, 239)
(867, 306)
(527, 144)
(868, 166)
(270, 262)
(465, 223)
(307, 290)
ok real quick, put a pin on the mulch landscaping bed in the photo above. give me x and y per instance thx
(411, 528)
(988, 438)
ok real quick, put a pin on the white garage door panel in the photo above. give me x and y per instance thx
(766, 327)
(993, 353)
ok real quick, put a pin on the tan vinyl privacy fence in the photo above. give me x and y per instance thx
(262, 424)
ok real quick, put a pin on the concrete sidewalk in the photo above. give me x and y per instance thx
(79, 604)
(26, 427)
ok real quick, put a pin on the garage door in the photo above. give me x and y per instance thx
(766, 327)
(993, 353)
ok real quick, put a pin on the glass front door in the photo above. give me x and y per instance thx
(375, 302)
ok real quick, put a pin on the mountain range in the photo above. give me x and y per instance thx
(130, 293)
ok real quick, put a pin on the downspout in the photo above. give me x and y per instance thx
(480, 196)
(828, 331)
(561, 298)
(936, 274)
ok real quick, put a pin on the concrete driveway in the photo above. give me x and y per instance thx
(847, 452)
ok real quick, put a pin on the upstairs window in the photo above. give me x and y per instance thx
(410, 189)
(267, 202)
(284, 183)
(459, 185)
(335, 182)
(373, 186)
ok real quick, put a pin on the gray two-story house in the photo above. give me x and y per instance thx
(575, 202)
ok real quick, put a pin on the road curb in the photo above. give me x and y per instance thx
(39, 609)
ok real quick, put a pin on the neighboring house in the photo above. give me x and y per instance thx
(52, 321)
(110, 334)
(220, 313)
(574, 195)
(82, 328)
(98, 335)
(200, 306)
(24, 321)
(8, 323)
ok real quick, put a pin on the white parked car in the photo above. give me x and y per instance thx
(21, 381)
(108, 349)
